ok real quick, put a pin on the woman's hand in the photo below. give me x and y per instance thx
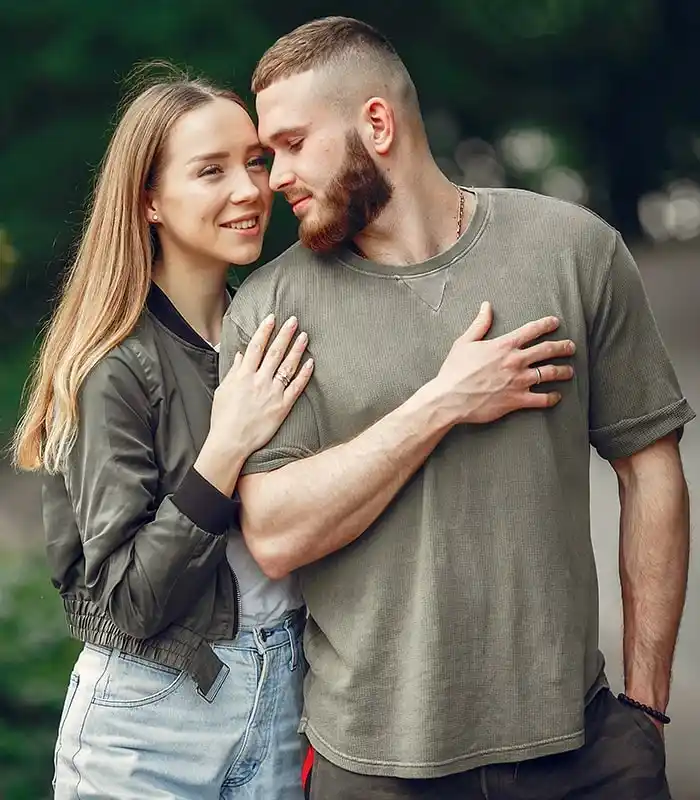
(253, 400)
(260, 388)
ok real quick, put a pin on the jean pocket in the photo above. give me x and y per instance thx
(645, 725)
(131, 682)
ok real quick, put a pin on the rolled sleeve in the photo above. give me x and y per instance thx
(635, 397)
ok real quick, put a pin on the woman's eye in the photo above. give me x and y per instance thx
(212, 169)
(295, 145)
(259, 162)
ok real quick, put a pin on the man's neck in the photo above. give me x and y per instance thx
(198, 294)
(420, 221)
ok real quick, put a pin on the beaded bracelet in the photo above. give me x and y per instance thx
(659, 716)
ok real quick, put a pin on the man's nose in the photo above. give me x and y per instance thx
(280, 177)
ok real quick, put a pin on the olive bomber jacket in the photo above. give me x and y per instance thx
(136, 538)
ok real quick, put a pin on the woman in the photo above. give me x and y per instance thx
(189, 683)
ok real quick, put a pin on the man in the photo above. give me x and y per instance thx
(443, 543)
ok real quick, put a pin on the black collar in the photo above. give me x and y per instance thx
(159, 304)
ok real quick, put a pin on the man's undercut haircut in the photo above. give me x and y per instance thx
(340, 45)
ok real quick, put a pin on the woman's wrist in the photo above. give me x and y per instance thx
(220, 465)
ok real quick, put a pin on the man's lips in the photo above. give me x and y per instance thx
(300, 203)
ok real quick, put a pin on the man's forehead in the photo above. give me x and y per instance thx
(288, 104)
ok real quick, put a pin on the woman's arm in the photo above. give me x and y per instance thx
(146, 561)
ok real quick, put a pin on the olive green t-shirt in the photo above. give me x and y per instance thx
(461, 628)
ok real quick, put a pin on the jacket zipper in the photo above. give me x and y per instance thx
(237, 599)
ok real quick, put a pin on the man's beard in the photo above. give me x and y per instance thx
(355, 197)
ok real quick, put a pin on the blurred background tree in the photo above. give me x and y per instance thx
(582, 98)
(588, 100)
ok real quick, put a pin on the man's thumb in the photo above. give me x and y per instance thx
(482, 322)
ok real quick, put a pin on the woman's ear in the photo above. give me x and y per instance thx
(150, 210)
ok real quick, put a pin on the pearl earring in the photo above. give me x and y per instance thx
(155, 217)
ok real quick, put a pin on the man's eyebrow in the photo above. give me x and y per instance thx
(286, 133)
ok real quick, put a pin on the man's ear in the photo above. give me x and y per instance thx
(378, 116)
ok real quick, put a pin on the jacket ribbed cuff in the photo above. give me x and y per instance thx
(204, 504)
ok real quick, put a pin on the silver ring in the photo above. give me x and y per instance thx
(283, 378)
(539, 376)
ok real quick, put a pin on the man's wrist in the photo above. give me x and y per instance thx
(656, 714)
(650, 692)
(437, 414)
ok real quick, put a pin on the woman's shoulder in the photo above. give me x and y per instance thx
(131, 365)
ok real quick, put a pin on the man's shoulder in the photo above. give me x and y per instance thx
(552, 214)
(285, 285)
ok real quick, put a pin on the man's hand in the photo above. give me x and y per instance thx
(346, 487)
(482, 381)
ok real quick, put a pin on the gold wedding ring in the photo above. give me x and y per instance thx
(283, 378)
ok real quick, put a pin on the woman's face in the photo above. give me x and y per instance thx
(212, 200)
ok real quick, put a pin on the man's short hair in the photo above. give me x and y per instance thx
(333, 42)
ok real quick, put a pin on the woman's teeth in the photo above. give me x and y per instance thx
(247, 223)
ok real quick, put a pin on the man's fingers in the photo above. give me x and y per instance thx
(530, 331)
(539, 399)
(545, 351)
(258, 343)
(548, 374)
(277, 350)
(481, 324)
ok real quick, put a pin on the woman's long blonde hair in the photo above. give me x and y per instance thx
(105, 289)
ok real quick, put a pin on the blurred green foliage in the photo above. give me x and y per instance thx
(35, 661)
(613, 84)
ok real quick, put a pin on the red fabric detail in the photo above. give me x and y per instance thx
(306, 772)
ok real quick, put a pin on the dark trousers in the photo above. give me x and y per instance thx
(623, 758)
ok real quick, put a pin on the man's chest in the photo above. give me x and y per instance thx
(372, 354)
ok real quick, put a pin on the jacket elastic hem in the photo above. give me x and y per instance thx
(181, 648)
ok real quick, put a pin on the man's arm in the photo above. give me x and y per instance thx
(637, 413)
(311, 507)
(306, 509)
(654, 553)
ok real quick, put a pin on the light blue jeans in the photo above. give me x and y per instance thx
(133, 730)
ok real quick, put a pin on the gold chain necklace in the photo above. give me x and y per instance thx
(460, 220)
(460, 214)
